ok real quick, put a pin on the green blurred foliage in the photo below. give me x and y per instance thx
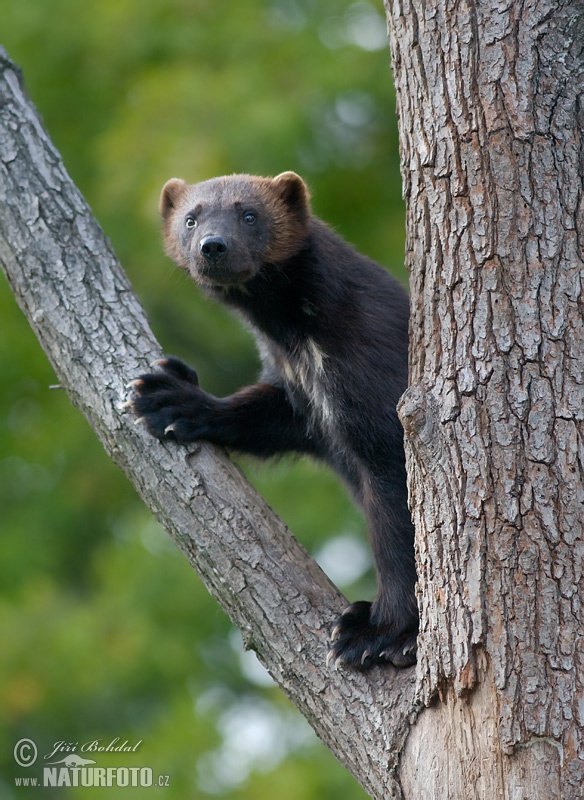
(106, 632)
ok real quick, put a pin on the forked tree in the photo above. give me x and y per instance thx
(491, 115)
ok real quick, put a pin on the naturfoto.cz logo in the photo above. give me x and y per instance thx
(72, 769)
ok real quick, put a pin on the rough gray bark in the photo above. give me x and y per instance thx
(490, 103)
(82, 308)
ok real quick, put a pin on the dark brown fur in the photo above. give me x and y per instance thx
(331, 327)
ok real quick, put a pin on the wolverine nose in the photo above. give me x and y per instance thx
(213, 247)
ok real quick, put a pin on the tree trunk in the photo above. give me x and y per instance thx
(491, 119)
(493, 420)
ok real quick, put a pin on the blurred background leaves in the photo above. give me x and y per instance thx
(106, 632)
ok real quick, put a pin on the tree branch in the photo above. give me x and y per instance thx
(82, 308)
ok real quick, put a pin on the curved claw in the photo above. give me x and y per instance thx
(366, 657)
(335, 659)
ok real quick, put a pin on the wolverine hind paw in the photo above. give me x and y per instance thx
(360, 644)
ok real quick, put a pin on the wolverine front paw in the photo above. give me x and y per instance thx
(170, 402)
(360, 644)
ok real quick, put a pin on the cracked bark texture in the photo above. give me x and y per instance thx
(491, 113)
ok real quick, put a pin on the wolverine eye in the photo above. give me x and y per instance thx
(249, 218)
(190, 222)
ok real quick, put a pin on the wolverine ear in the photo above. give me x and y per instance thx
(171, 193)
(293, 191)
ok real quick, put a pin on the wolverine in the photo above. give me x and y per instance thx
(332, 331)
